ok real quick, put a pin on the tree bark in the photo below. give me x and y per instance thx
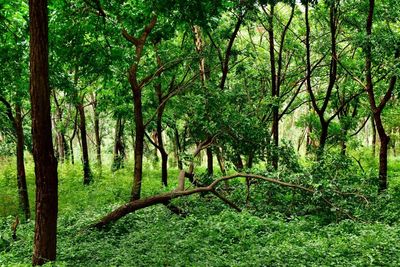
(378, 108)
(60, 138)
(87, 176)
(333, 21)
(323, 137)
(161, 148)
(21, 177)
(119, 145)
(136, 86)
(71, 140)
(16, 121)
(274, 89)
(238, 162)
(160, 112)
(45, 162)
(97, 130)
(373, 137)
(139, 139)
(250, 160)
(221, 160)
(166, 197)
(178, 148)
(210, 165)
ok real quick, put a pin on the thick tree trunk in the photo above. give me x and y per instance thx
(87, 176)
(139, 139)
(323, 137)
(21, 177)
(43, 153)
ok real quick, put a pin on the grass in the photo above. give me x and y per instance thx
(212, 234)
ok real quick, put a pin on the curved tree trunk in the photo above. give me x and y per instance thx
(43, 152)
(377, 108)
(161, 148)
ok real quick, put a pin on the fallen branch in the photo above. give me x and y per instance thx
(166, 197)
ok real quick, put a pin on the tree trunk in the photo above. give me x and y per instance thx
(323, 137)
(97, 130)
(136, 87)
(72, 151)
(21, 177)
(377, 108)
(238, 162)
(250, 160)
(87, 176)
(210, 167)
(164, 155)
(71, 147)
(45, 162)
(59, 134)
(373, 137)
(160, 139)
(274, 90)
(119, 145)
(333, 19)
(221, 161)
(178, 148)
(139, 139)
(383, 155)
(164, 169)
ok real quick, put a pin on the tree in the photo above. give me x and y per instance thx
(377, 107)
(45, 162)
(13, 86)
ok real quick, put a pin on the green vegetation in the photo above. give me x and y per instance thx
(278, 228)
(204, 133)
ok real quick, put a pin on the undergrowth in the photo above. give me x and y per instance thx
(278, 226)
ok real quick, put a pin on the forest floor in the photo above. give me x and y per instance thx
(211, 235)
